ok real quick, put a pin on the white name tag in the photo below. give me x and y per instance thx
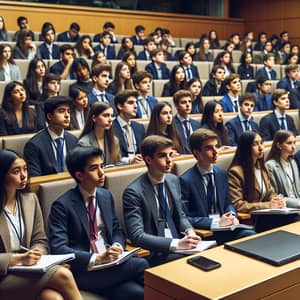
(214, 217)
(168, 233)
(100, 244)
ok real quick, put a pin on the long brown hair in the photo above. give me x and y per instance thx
(96, 109)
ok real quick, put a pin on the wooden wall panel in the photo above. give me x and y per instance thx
(91, 19)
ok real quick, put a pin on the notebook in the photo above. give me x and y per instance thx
(276, 248)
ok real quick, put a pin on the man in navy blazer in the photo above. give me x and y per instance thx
(129, 133)
(191, 71)
(142, 81)
(41, 151)
(185, 125)
(48, 50)
(157, 67)
(290, 81)
(266, 70)
(278, 119)
(233, 86)
(243, 121)
(139, 36)
(152, 207)
(149, 46)
(72, 35)
(205, 193)
(105, 46)
(83, 221)
(263, 94)
(100, 77)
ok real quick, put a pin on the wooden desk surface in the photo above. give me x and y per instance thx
(240, 277)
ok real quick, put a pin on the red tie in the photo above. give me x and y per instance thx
(93, 224)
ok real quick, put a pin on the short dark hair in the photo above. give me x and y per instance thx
(78, 158)
(138, 76)
(199, 136)
(261, 79)
(278, 93)
(123, 96)
(228, 79)
(179, 94)
(54, 102)
(49, 77)
(80, 62)
(107, 25)
(20, 19)
(99, 68)
(290, 67)
(216, 68)
(75, 26)
(139, 28)
(152, 143)
(66, 47)
(267, 56)
(154, 52)
(247, 96)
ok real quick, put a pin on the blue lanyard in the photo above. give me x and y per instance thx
(18, 233)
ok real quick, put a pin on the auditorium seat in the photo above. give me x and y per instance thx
(16, 142)
(23, 65)
(64, 87)
(204, 68)
(158, 86)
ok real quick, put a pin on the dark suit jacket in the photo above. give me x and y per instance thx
(194, 70)
(64, 37)
(39, 153)
(294, 96)
(43, 51)
(246, 73)
(263, 73)
(164, 70)
(136, 41)
(109, 97)
(194, 124)
(285, 84)
(210, 89)
(269, 125)
(227, 104)
(263, 103)
(235, 129)
(69, 226)
(110, 51)
(194, 196)
(139, 134)
(141, 213)
(142, 56)
(59, 67)
(151, 101)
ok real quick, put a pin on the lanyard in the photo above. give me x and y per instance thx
(19, 233)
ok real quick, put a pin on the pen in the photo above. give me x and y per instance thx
(24, 248)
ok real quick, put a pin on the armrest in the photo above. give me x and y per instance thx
(204, 233)
(141, 253)
(244, 216)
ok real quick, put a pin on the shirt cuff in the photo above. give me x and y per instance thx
(92, 261)
(174, 245)
(214, 223)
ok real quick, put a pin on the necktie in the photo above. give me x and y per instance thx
(60, 154)
(210, 194)
(186, 128)
(236, 109)
(246, 125)
(102, 97)
(93, 224)
(282, 125)
(190, 74)
(129, 139)
(165, 210)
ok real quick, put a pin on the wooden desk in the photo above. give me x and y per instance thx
(240, 277)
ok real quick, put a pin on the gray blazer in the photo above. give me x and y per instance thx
(279, 181)
(90, 140)
(15, 73)
(141, 213)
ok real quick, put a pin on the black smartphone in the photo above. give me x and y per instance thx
(203, 263)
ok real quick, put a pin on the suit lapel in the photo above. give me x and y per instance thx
(27, 215)
(105, 213)
(202, 192)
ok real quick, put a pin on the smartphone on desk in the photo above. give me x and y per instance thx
(203, 263)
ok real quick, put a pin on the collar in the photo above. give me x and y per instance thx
(53, 135)
(97, 92)
(181, 118)
(157, 66)
(85, 195)
(122, 122)
(154, 181)
(204, 172)
(242, 118)
(278, 114)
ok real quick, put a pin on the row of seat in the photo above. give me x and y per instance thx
(17, 142)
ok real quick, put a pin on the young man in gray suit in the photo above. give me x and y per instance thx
(152, 205)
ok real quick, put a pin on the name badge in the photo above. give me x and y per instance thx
(100, 244)
(214, 217)
(168, 233)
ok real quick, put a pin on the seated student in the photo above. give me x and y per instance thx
(16, 117)
(142, 82)
(245, 70)
(267, 69)
(84, 48)
(185, 60)
(71, 35)
(176, 82)
(25, 48)
(126, 46)
(283, 169)
(149, 46)
(9, 70)
(98, 132)
(195, 87)
(48, 50)
(164, 45)
(204, 190)
(79, 109)
(23, 25)
(83, 73)
(214, 86)
(139, 36)
(4, 36)
(100, 77)
(283, 53)
(204, 53)
(249, 183)
(83, 221)
(294, 97)
(185, 125)
(18, 207)
(51, 88)
(150, 222)
(224, 59)
(157, 67)
(130, 59)
(110, 27)
(290, 81)
(277, 119)
(64, 67)
(261, 40)
(233, 86)
(243, 121)
(166, 35)
(263, 94)
(105, 46)
(46, 151)
(129, 133)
